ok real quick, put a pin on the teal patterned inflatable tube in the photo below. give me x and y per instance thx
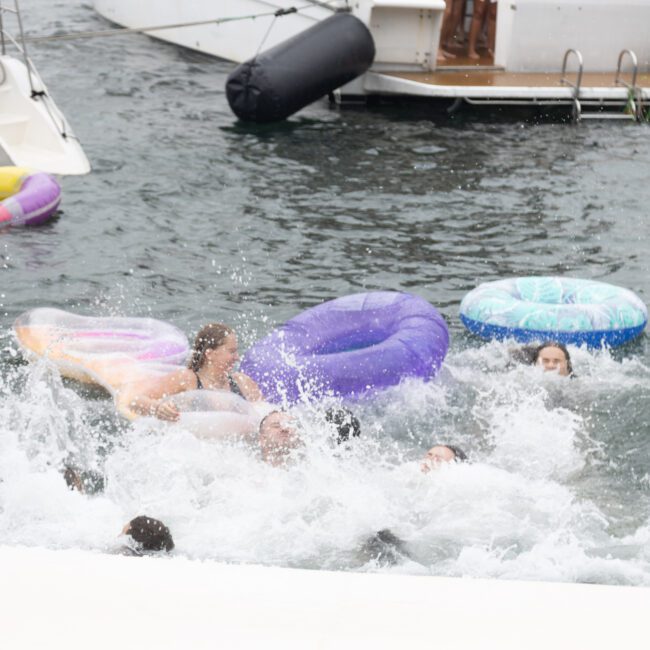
(567, 310)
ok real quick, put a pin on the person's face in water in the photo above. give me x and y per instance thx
(437, 456)
(278, 436)
(553, 359)
(223, 358)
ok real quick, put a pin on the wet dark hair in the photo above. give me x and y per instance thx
(267, 416)
(86, 482)
(385, 548)
(347, 424)
(529, 354)
(459, 455)
(559, 346)
(150, 534)
(209, 337)
(526, 354)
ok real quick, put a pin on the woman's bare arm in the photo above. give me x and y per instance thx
(149, 400)
(250, 390)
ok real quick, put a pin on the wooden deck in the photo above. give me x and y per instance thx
(465, 61)
(476, 76)
(481, 80)
(458, 51)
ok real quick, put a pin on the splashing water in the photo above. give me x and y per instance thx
(190, 218)
(530, 504)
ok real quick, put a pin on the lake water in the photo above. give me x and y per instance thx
(190, 217)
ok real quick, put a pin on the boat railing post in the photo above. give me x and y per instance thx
(23, 47)
(577, 109)
(2, 30)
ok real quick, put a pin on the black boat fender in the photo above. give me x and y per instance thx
(282, 80)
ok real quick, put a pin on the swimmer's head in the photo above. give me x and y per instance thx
(384, 548)
(150, 534)
(553, 357)
(277, 437)
(86, 482)
(347, 425)
(215, 343)
(441, 454)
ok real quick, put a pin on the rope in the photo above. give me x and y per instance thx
(279, 12)
(143, 30)
(43, 96)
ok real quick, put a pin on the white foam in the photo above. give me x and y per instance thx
(529, 505)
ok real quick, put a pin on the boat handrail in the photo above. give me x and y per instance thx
(577, 108)
(635, 68)
(4, 10)
(563, 79)
(58, 120)
(8, 37)
(22, 47)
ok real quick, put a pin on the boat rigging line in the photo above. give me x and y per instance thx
(117, 31)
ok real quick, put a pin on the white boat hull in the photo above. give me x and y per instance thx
(532, 36)
(34, 133)
(234, 41)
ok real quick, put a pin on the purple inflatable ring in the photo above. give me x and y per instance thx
(30, 198)
(348, 346)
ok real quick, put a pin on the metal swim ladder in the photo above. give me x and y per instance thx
(633, 102)
(577, 107)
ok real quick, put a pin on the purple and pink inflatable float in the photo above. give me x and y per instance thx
(28, 198)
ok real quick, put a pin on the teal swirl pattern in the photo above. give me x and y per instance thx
(568, 310)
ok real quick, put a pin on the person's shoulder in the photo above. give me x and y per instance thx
(183, 378)
(184, 373)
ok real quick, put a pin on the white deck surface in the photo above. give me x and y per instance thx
(75, 599)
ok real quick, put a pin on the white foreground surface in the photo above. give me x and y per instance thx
(75, 599)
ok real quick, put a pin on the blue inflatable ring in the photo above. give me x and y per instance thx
(349, 346)
(566, 310)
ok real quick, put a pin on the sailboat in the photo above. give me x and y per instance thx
(34, 132)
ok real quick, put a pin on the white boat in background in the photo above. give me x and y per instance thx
(247, 23)
(34, 133)
(586, 55)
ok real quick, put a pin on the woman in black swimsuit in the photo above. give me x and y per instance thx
(211, 367)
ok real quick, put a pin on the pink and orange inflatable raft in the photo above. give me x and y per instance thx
(124, 355)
